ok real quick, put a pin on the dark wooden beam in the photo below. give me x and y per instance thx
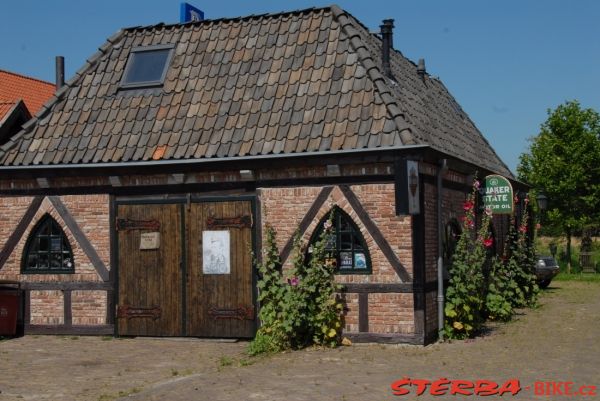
(26, 306)
(66, 286)
(80, 237)
(363, 312)
(19, 230)
(68, 307)
(398, 288)
(114, 248)
(306, 220)
(418, 249)
(76, 330)
(375, 233)
(385, 338)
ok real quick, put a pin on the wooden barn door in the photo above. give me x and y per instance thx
(196, 281)
(219, 287)
(150, 290)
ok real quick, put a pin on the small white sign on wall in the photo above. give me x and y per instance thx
(215, 252)
(150, 241)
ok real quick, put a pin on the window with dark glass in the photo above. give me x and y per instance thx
(147, 66)
(345, 244)
(47, 249)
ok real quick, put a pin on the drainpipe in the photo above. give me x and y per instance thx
(442, 169)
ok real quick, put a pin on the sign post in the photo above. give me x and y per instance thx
(498, 196)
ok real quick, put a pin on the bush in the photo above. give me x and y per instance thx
(298, 308)
(465, 293)
(483, 285)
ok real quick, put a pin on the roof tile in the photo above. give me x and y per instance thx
(287, 83)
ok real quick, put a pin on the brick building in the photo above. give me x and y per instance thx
(132, 201)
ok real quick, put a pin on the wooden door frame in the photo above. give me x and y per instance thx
(182, 201)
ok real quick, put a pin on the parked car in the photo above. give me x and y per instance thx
(545, 270)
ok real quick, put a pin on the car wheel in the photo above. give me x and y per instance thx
(544, 283)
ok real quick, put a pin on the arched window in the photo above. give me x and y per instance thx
(47, 249)
(346, 244)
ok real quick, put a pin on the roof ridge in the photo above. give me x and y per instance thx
(466, 115)
(228, 19)
(26, 77)
(406, 131)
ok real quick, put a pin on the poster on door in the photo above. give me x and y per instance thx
(215, 252)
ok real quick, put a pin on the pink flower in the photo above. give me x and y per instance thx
(327, 225)
(538, 226)
(526, 200)
(488, 211)
(476, 184)
(294, 281)
(488, 242)
(523, 229)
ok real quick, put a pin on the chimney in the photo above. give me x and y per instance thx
(387, 43)
(60, 72)
(421, 69)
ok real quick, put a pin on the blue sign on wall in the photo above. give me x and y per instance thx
(189, 13)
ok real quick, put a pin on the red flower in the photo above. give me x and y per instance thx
(468, 205)
(523, 229)
(488, 242)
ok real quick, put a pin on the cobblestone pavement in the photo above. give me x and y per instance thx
(558, 342)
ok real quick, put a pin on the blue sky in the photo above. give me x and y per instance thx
(506, 62)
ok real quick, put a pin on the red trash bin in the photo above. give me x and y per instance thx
(10, 302)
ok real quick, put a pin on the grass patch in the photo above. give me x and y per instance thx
(586, 277)
(225, 361)
(543, 248)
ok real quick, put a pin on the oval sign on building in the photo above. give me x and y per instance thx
(498, 194)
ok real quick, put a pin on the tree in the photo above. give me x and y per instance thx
(564, 162)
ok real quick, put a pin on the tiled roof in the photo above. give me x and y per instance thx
(5, 107)
(299, 82)
(33, 92)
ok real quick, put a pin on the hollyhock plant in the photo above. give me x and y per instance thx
(465, 293)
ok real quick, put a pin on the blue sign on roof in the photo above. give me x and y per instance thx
(189, 13)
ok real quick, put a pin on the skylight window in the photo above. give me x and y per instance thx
(147, 66)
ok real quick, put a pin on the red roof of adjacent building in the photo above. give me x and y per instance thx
(14, 87)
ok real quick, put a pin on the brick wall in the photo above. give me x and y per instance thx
(47, 307)
(284, 208)
(391, 313)
(91, 213)
(88, 307)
